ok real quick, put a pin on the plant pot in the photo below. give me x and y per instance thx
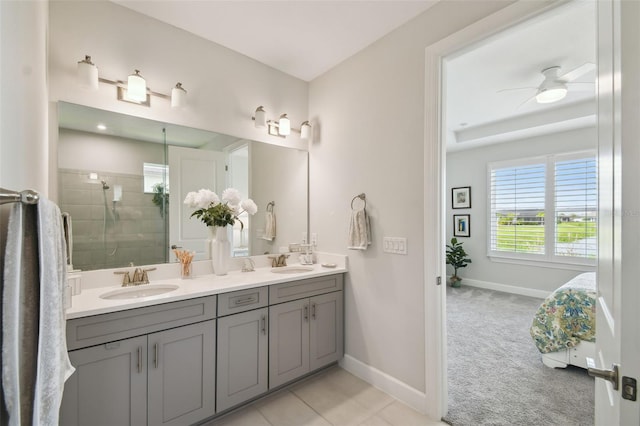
(455, 281)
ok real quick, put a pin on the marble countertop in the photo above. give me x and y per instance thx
(89, 302)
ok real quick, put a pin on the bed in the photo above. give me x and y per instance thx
(564, 325)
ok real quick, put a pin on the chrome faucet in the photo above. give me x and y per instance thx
(140, 276)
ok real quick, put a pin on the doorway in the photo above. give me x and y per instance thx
(435, 159)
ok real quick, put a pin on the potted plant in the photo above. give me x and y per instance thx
(456, 257)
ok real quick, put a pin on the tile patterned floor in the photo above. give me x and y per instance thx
(333, 397)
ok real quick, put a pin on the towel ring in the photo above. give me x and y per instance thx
(270, 206)
(363, 197)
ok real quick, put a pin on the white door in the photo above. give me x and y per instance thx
(191, 170)
(618, 322)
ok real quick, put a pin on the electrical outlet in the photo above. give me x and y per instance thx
(314, 239)
(304, 238)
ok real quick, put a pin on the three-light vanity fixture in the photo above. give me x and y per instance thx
(281, 127)
(135, 90)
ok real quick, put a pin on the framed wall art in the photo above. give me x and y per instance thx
(461, 197)
(461, 225)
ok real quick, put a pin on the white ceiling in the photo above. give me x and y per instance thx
(303, 38)
(477, 113)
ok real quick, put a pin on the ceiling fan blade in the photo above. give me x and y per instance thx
(516, 88)
(577, 72)
(529, 99)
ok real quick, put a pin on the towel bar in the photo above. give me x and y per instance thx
(363, 197)
(28, 196)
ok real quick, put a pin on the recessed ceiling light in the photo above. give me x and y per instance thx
(101, 127)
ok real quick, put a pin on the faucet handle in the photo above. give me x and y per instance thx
(126, 279)
(145, 276)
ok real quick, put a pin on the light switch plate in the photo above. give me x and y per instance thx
(395, 245)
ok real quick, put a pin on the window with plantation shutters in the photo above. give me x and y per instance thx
(544, 208)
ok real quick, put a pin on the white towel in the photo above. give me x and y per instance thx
(269, 226)
(33, 380)
(359, 230)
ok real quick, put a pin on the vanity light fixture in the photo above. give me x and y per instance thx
(282, 127)
(88, 73)
(136, 87)
(178, 96)
(135, 90)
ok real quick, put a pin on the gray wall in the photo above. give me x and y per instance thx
(469, 168)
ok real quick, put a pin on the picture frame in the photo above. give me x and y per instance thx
(461, 197)
(461, 225)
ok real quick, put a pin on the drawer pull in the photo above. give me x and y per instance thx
(112, 345)
(313, 311)
(264, 324)
(139, 359)
(306, 313)
(244, 300)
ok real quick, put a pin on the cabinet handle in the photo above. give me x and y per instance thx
(139, 359)
(313, 311)
(306, 312)
(264, 324)
(245, 300)
(155, 355)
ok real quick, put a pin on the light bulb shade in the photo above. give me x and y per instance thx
(551, 95)
(284, 125)
(88, 73)
(260, 117)
(305, 130)
(136, 87)
(178, 96)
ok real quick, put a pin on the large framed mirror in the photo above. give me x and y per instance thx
(123, 179)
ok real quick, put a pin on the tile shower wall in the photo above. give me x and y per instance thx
(132, 230)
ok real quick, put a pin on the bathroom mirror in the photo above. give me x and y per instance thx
(122, 179)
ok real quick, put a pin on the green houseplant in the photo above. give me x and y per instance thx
(456, 257)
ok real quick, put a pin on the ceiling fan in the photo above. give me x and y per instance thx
(554, 88)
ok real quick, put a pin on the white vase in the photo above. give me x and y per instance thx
(220, 249)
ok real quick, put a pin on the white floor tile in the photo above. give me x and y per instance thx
(285, 409)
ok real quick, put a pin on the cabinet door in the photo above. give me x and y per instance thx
(109, 386)
(242, 358)
(288, 341)
(182, 374)
(326, 335)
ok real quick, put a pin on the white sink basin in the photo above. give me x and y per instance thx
(291, 269)
(143, 290)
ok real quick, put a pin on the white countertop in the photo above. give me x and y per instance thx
(88, 302)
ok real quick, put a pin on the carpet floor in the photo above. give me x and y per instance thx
(495, 373)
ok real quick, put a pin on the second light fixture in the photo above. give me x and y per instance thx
(281, 127)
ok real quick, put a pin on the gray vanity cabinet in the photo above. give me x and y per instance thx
(153, 365)
(181, 374)
(109, 386)
(242, 358)
(305, 333)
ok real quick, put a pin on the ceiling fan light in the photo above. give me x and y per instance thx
(551, 95)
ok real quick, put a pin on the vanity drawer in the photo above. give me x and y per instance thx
(243, 300)
(293, 290)
(98, 329)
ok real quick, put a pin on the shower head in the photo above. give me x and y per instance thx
(104, 185)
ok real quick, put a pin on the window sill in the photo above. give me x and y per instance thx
(544, 263)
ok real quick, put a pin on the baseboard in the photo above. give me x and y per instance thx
(506, 288)
(390, 385)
